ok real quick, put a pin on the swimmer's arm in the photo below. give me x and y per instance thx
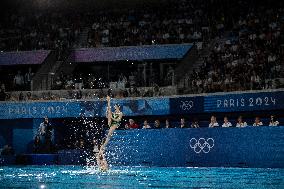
(108, 111)
(119, 118)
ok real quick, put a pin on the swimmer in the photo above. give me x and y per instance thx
(114, 119)
(102, 163)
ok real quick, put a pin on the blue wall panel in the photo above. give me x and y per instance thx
(21, 139)
(130, 107)
(252, 147)
(244, 102)
(146, 106)
(185, 105)
(16, 110)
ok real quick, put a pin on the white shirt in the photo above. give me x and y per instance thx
(228, 124)
(214, 124)
(259, 124)
(19, 79)
(42, 129)
(243, 124)
(146, 127)
(275, 123)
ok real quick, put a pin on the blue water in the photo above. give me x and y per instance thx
(138, 177)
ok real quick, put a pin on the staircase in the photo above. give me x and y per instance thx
(193, 62)
(42, 78)
(186, 64)
(51, 67)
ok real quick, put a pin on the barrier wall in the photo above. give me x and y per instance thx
(241, 147)
(19, 121)
(228, 102)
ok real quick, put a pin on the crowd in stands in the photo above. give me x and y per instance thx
(34, 30)
(185, 21)
(195, 124)
(182, 22)
(23, 82)
(124, 87)
(71, 94)
(79, 81)
(250, 57)
(19, 80)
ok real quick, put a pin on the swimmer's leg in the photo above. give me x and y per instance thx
(110, 133)
(102, 163)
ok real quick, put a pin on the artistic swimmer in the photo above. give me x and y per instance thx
(114, 119)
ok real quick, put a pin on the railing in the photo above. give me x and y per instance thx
(89, 93)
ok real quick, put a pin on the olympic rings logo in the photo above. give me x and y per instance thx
(201, 145)
(186, 105)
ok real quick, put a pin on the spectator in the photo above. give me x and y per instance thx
(21, 96)
(69, 83)
(182, 123)
(157, 124)
(2, 93)
(168, 124)
(226, 122)
(42, 127)
(195, 124)
(273, 121)
(146, 125)
(131, 125)
(257, 122)
(78, 94)
(213, 122)
(45, 134)
(133, 92)
(79, 82)
(37, 145)
(29, 96)
(28, 78)
(7, 151)
(156, 90)
(240, 122)
(58, 84)
(19, 81)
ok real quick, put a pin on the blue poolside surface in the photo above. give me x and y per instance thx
(62, 177)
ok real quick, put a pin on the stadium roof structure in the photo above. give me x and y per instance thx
(23, 57)
(130, 53)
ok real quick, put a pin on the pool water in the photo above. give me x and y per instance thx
(139, 177)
